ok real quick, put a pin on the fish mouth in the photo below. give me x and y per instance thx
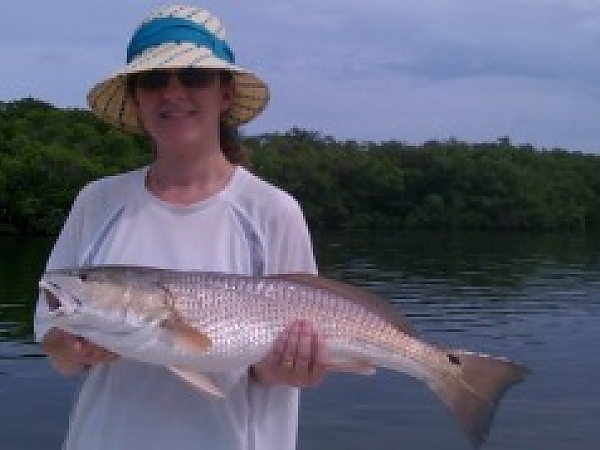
(54, 295)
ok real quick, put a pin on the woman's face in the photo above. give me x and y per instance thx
(182, 108)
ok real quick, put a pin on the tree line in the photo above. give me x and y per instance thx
(47, 154)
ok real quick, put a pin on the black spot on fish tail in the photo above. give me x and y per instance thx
(454, 359)
(474, 393)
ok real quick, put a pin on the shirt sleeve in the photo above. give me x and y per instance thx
(289, 244)
(64, 254)
(93, 204)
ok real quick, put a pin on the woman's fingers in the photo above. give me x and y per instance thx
(70, 354)
(297, 358)
(305, 349)
(89, 353)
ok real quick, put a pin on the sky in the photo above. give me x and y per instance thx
(365, 70)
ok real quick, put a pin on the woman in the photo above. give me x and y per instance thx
(193, 208)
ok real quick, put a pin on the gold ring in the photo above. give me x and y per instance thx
(288, 363)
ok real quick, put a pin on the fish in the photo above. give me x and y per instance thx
(198, 324)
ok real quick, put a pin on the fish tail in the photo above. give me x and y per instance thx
(473, 388)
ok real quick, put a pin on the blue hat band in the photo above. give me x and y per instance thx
(176, 30)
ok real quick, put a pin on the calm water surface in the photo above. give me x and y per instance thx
(535, 299)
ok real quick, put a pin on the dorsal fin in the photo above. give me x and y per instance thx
(354, 294)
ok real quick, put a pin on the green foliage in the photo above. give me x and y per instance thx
(47, 154)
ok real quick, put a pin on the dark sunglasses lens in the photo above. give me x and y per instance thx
(152, 80)
(196, 78)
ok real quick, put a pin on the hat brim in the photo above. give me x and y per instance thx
(110, 100)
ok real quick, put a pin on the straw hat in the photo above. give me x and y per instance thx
(177, 37)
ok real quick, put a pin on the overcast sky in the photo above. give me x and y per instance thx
(353, 69)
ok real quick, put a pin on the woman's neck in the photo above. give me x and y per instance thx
(182, 180)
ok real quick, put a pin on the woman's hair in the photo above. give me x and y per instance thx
(229, 136)
(231, 144)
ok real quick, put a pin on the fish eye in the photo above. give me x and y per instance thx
(54, 285)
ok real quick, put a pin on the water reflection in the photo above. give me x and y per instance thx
(21, 263)
(533, 298)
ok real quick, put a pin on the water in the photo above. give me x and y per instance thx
(535, 299)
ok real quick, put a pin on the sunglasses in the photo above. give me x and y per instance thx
(154, 80)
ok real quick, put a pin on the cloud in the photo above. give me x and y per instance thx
(353, 68)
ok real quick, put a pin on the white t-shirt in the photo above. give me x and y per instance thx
(250, 227)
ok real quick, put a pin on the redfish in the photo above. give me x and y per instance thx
(198, 323)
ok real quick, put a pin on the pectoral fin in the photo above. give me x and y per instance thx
(357, 366)
(184, 333)
(198, 380)
(187, 335)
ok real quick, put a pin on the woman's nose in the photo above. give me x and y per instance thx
(173, 85)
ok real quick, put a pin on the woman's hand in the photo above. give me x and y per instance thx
(71, 354)
(298, 358)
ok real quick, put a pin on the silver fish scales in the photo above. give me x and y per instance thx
(196, 323)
